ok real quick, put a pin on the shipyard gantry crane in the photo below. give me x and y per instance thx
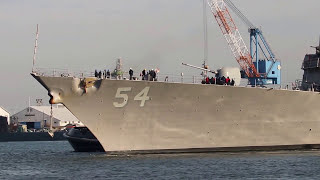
(263, 72)
(233, 37)
(268, 66)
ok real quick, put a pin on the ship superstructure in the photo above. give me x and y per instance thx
(311, 68)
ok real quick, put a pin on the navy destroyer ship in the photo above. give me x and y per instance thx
(141, 116)
(135, 116)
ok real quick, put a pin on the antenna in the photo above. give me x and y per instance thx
(35, 48)
(317, 48)
(205, 32)
(205, 38)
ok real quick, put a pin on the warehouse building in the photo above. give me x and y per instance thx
(38, 117)
(5, 113)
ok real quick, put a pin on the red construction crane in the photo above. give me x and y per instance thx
(233, 37)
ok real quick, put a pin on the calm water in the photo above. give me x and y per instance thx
(56, 160)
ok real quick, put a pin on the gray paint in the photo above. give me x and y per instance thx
(188, 116)
(84, 35)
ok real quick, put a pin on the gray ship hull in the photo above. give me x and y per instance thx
(142, 116)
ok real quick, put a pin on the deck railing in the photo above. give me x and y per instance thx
(172, 78)
(83, 74)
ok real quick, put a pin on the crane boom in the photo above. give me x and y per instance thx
(233, 37)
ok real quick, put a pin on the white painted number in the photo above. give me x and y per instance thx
(142, 96)
(122, 96)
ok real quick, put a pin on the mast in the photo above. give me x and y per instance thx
(205, 32)
(35, 48)
(205, 39)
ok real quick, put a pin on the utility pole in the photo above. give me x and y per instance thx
(51, 133)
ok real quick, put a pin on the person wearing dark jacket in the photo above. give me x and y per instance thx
(152, 75)
(108, 74)
(131, 73)
(100, 74)
(232, 82)
(143, 74)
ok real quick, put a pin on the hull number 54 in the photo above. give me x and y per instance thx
(123, 97)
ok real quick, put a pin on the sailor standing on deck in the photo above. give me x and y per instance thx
(105, 74)
(131, 73)
(143, 74)
(108, 74)
(228, 81)
(99, 74)
(152, 75)
(232, 82)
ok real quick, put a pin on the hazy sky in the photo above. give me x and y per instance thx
(91, 34)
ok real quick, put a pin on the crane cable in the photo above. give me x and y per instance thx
(239, 14)
(249, 24)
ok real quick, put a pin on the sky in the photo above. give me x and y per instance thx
(91, 34)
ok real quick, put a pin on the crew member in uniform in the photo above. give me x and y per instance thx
(131, 73)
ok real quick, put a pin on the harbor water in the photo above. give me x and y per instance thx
(56, 160)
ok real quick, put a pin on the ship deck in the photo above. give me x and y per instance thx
(165, 78)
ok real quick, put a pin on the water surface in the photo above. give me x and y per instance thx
(56, 160)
